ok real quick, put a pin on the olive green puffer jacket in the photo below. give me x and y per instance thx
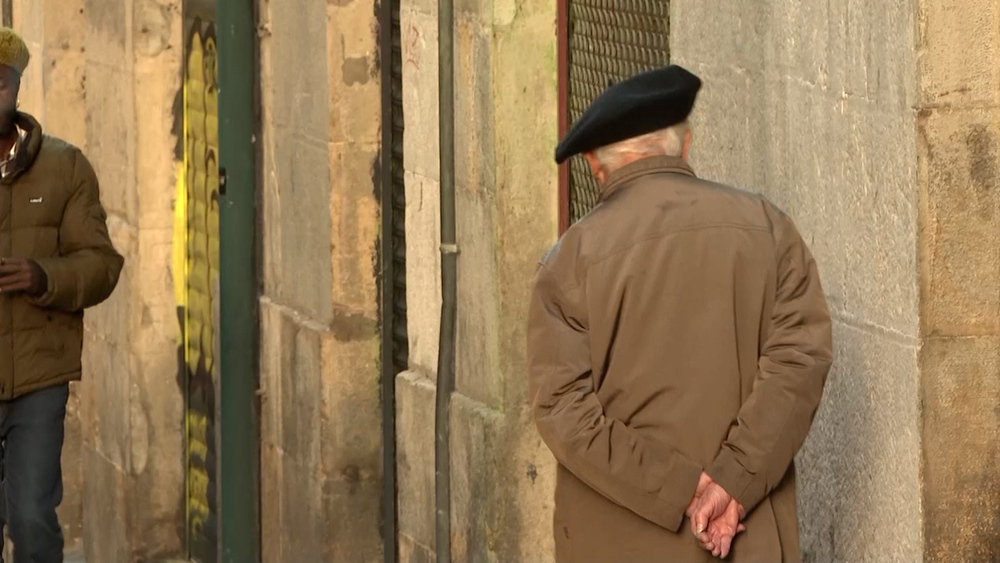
(50, 211)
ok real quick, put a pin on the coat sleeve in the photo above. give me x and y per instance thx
(653, 481)
(796, 355)
(87, 268)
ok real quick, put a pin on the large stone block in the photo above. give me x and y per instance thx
(856, 208)
(302, 525)
(65, 97)
(275, 334)
(351, 424)
(531, 474)
(109, 378)
(475, 109)
(353, 73)
(297, 226)
(959, 44)
(961, 466)
(353, 516)
(272, 538)
(111, 137)
(411, 551)
(107, 33)
(526, 176)
(423, 274)
(859, 473)
(960, 241)
(156, 443)
(814, 107)
(478, 331)
(301, 399)
(355, 228)
(415, 407)
(298, 72)
(421, 139)
(29, 19)
(107, 514)
(479, 465)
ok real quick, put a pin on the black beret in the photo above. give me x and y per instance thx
(644, 103)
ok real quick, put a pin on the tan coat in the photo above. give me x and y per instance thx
(680, 326)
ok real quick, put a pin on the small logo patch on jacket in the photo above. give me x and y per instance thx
(35, 200)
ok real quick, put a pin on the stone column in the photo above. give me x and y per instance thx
(506, 127)
(321, 416)
(959, 235)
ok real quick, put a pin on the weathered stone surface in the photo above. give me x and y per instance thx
(353, 73)
(857, 504)
(421, 147)
(531, 476)
(526, 178)
(814, 107)
(423, 283)
(297, 270)
(506, 208)
(271, 505)
(959, 44)
(412, 552)
(961, 430)
(352, 444)
(321, 418)
(479, 465)
(415, 396)
(813, 135)
(111, 136)
(960, 291)
(961, 236)
(421, 140)
(106, 526)
(108, 32)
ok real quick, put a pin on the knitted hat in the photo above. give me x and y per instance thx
(13, 51)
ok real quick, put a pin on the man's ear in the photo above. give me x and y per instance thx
(595, 166)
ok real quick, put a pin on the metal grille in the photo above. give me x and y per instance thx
(609, 40)
(400, 340)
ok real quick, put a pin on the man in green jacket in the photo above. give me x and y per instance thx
(56, 259)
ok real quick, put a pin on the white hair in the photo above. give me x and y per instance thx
(668, 142)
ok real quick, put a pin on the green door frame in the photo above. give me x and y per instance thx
(239, 515)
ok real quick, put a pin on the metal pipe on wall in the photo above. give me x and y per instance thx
(449, 280)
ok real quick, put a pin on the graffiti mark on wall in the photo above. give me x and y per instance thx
(196, 254)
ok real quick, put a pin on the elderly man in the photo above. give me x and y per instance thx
(678, 344)
(55, 260)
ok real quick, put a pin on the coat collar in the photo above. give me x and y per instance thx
(643, 167)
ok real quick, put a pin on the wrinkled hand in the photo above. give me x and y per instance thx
(722, 530)
(715, 517)
(22, 274)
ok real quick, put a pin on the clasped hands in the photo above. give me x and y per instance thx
(715, 517)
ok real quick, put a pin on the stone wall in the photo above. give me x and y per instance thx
(959, 136)
(321, 432)
(505, 78)
(97, 66)
(813, 105)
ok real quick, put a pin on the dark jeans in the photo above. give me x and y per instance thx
(31, 428)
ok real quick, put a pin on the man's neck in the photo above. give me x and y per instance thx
(8, 137)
